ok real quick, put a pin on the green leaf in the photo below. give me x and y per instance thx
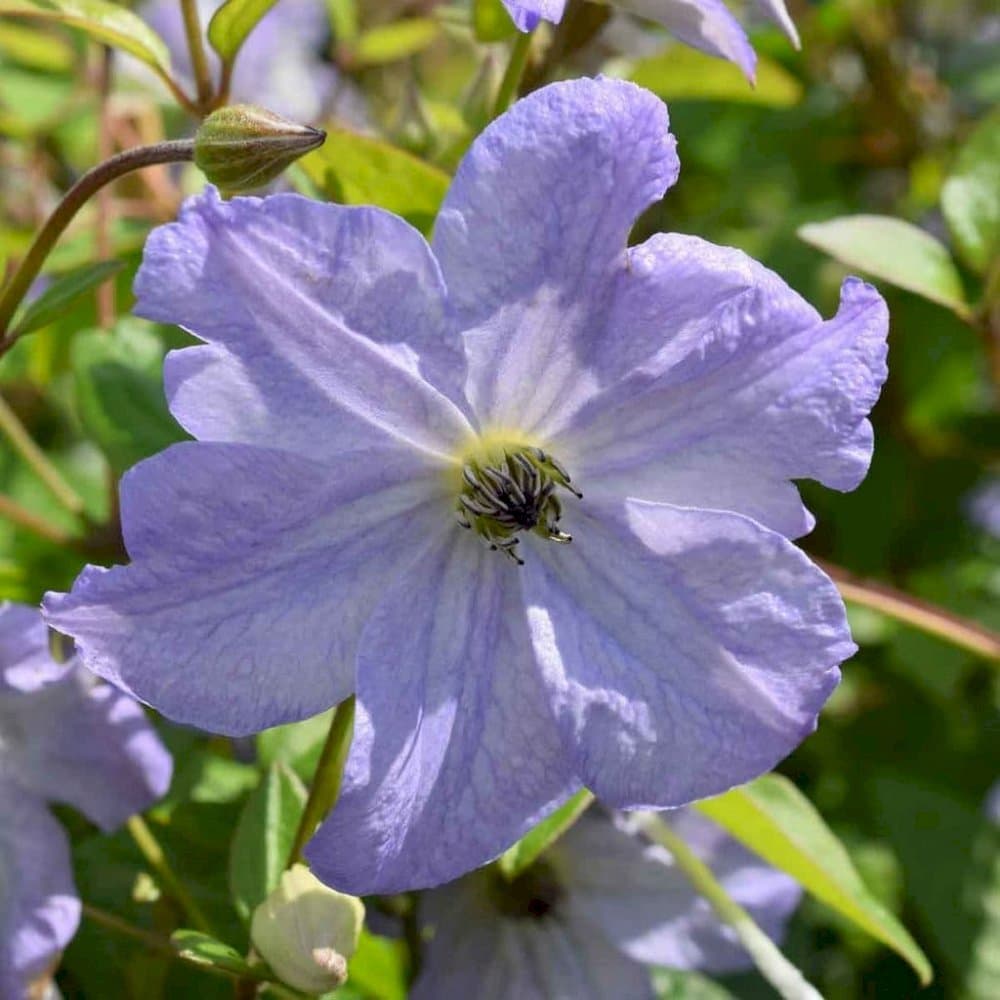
(679, 73)
(232, 23)
(206, 950)
(775, 820)
(107, 22)
(970, 198)
(34, 48)
(895, 251)
(297, 744)
(491, 21)
(119, 392)
(517, 858)
(63, 290)
(264, 837)
(678, 984)
(378, 967)
(389, 43)
(359, 170)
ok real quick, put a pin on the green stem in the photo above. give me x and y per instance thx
(325, 787)
(774, 967)
(196, 46)
(39, 462)
(89, 184)
(914, 612)
(514, 72)
(157, 860)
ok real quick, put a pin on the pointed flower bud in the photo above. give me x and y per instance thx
(307, 931)
(242, 147)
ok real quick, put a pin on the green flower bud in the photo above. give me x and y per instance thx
(307, 931)
(242, 146)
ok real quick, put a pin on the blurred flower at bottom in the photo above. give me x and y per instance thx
(585, 920)
(65, 738)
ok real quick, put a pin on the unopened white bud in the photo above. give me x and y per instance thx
(307, 931)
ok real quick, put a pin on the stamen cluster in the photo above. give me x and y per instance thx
(512, 493)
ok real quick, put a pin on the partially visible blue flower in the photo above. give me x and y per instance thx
(64, 737)
(704, 24)
(281, 64)
(585, 921)
(984, 507)
(373, 414)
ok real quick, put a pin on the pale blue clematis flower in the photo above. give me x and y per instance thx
(984, 506)
(373, 413)
(281, 64)
(707, 25)
(66, 738)
(586, 920)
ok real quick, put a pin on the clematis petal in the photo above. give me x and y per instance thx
(685, 651)
(533, 232)
(455, 753)
(631, 891)
(25, 661)
(253, 575)
(527, 13)
(777, 12)
(707, 25)
(332, 317)
(39, 908)
(87, 745)
(749, 390)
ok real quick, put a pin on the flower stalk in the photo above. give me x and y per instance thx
(174, 151)
(773, 966)
(199, 62)
(325, 787)
(514, 73)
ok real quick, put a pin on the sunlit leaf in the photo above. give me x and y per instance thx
(391, 42)
(35, 48)
(61, 292)
(232, 23)
(378, 967)
(970, 198)
(491, 21)
(679, 73)
(108, 22)
(206, 950)
(518, 857)
(893, 250)
(359, 170)
(775, 820)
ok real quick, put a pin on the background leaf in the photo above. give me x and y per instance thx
(264, 837)
(970, 198)
(232, 23)
(359, 170)
(118, 376)
(516, 858)
(61, 292)
(775, 820)
(107, 22)
(893, 250)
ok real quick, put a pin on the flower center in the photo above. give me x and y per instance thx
(532, 895)
(511, 489)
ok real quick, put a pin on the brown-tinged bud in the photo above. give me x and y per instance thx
(242, 147)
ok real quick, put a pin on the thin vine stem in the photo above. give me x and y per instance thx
(155, 857)
(196, 46)
(915, 612)
(514, 73)
(174, 151)
(772, 964)
(36, 459)
(12, 511)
